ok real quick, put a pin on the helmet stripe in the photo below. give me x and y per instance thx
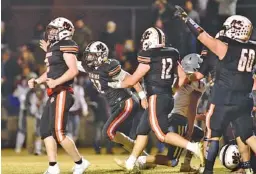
(159, 35)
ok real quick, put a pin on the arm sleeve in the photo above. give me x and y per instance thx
(144, 57)
(114, 68)
(69, 46)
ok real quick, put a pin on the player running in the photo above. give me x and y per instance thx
(233, 82)
(158, 64)
(61, 70)
(124, 106)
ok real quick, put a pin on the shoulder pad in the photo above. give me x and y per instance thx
(68, 46)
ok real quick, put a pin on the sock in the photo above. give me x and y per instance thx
(79, 162)
(20, 140)
(38, 146)
(131, 160)
(211, 154)
(192, 147)
(142, 159)
(52, 163)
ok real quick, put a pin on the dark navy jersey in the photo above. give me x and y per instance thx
(56, 65)
(163, 63)
(234, 80)
(106, 73)
(210, 60)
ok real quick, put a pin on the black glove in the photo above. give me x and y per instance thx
(180, 13)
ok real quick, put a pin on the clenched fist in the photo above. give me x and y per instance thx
(32, 83)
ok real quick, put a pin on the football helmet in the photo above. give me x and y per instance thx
(191, 63)
(230, 156)
(59, 29)
(238, 28)
(95, 54)
(153, 38)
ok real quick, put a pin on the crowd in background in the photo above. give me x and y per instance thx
(28, 61)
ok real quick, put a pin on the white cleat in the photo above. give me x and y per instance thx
(80, 168)
(53, 169)
(123, 164)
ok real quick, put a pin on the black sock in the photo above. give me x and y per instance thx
(79, 162)
(52, 163)
(246, 165)
(212, 152)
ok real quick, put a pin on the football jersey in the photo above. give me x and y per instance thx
(163, 63)
(182, 96)
(56, 65)
(210, 60)
(100, 77)
(234, 74)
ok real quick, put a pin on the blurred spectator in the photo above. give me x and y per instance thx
(226, 8)
(110, 37)
(82, 35)
(10, 69)
(172, 27)
(78, 109)
(192, 41)
(201, 7)
(21, 92)
(129, 59)
(27, 60)
(39, 32)
(3, 36)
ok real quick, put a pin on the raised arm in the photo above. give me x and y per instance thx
(216, 46)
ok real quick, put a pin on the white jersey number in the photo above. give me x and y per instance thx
(246, 60)
(166, 68)
(97, 84)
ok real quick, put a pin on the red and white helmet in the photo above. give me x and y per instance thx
(238, 28)
(59, 29)
(153, 38)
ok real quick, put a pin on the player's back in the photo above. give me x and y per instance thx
(234, 73)
(163, 63)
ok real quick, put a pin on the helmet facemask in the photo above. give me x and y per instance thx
(94, 59)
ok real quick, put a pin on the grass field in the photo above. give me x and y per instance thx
(23, 163)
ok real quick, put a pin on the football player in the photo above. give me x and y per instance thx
(124, 106)
(181, 120)
(234, 82)
(61, 70)
(158, 65)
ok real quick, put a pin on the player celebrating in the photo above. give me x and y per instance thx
(158, 64)
(233, 81)
(124, 106)
(61, 70)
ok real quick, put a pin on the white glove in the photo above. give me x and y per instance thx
(85, 113)
(116, 84)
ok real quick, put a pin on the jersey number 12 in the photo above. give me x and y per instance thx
(246, 60)
(166, 68)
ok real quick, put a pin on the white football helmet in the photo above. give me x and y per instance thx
(153, 38)
(230, 156)
(95, 54)
(238, 28)
(191, 63)
(59, 29)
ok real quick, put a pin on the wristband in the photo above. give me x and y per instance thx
(142, 95)
(194, 27)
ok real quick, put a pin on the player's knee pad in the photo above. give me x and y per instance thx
(59, 135)
(143, 130)
(45, 133)
(198, 134)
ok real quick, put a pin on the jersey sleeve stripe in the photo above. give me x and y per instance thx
(69, 49)
(144, 59)
(115, 71)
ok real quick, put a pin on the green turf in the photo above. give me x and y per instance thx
(24, 163)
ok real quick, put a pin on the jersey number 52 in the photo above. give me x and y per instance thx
(166, 68)
(246, 60)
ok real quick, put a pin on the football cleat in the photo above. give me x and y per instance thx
(80, 168)
(53, 169)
